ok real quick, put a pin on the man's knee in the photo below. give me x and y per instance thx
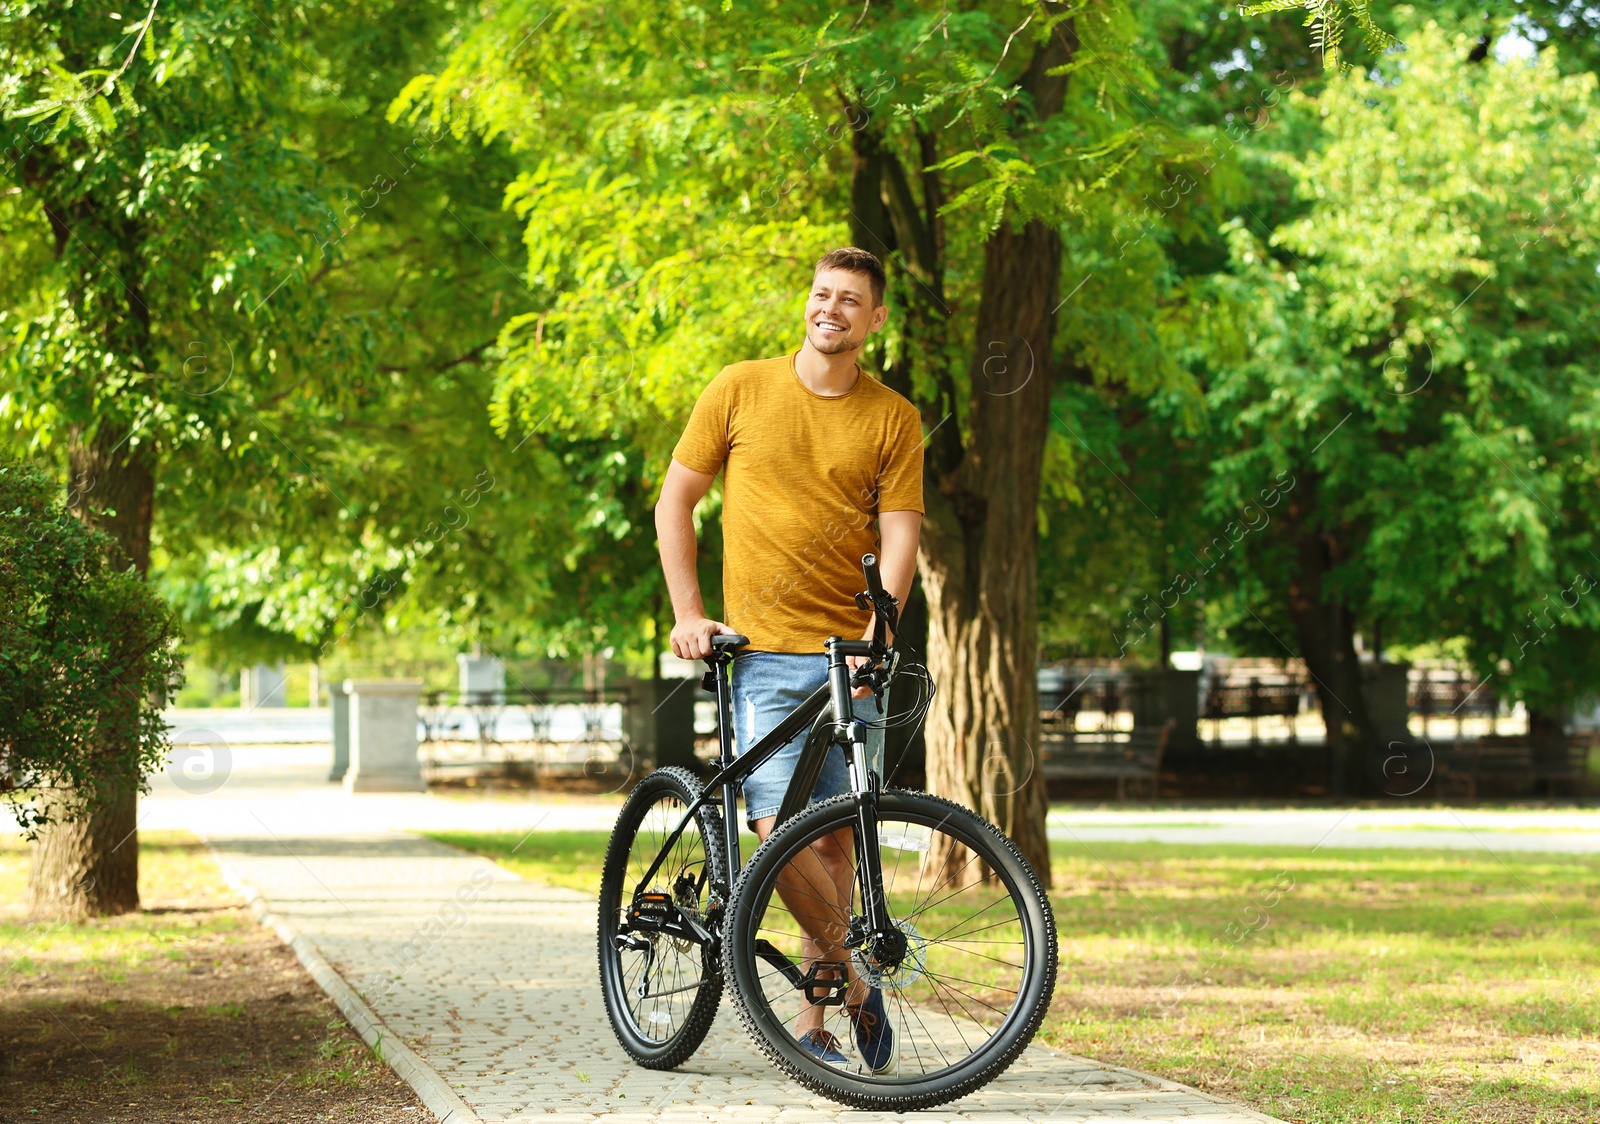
(833, 856)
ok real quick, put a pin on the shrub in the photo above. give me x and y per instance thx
(87, 655)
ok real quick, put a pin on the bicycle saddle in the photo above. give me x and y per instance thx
(723, 641)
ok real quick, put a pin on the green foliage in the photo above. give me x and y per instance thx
(1328, 20)
(408, 306)
(81, 98)
(682, 172)
(165, 236)
(87, 654)
(291, 304)
(1428, 306)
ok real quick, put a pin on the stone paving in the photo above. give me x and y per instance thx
(492, 981)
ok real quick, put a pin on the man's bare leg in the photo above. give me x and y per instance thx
(817, 888)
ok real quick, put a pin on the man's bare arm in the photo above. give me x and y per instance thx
(898, 532)
(680, 492)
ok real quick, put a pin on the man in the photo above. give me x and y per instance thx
(813, 451)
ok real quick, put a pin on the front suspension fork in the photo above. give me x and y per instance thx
(869, 870)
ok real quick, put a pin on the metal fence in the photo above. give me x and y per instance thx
(556, 731)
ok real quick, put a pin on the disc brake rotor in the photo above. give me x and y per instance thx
(901, 975)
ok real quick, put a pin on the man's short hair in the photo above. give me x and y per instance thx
(856, 260)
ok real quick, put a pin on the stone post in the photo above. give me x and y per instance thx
(383, 736)
(659, 722)
(1165, 692)
(482, 680)
(339, 711)
(1384, 687)
(263, 686)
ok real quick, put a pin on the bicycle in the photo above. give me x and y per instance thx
(944, 914)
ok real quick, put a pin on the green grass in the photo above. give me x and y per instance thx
(1331, 987)
(110, 949)
(571, 859)
(179, 1009)
(557, 858)
(1373, 985)
(1066, 819)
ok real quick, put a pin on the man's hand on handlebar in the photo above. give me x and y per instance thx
(882, 605)
(691, 639)
(856, 662)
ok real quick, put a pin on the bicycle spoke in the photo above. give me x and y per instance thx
(952, 1018)
(950, 983)
(969, 995)
(671, 971)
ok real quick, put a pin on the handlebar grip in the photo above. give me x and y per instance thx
(869, 567)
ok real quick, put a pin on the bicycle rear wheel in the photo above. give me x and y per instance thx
(661, 980)
(965, 975)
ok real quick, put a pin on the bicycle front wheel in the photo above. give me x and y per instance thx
(661, 980)
(964, 975)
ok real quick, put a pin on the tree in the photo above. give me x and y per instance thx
(1419, 366)
(87, 654)
(671, 216)
(156, 229)
(324, 458)
(401, 507)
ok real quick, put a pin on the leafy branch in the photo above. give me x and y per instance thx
(1328, 19)
(82, 97)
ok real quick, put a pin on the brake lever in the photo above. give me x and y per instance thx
(878, 676)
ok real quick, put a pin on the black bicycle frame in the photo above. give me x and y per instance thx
(817, 711)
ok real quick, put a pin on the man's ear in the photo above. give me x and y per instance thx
(880, 316)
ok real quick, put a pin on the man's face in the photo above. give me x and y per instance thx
(840, 313)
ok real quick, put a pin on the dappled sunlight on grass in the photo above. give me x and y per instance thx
(185, 1010)
(571, 859)
(1378, 985)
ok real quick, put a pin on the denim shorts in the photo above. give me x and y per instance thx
(767, 686)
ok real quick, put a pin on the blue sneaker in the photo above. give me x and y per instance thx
(822, 1044)
(874, 1035)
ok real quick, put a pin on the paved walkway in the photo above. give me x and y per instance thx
(491, 980)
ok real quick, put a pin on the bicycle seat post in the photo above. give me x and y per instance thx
(716, 681)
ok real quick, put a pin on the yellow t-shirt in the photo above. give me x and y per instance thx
(806, 476)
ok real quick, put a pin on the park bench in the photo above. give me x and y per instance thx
(1257, 697)
(1124, 756)
(1513, 757)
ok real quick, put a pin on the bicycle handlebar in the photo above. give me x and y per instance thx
(869, 567)
(882, 603)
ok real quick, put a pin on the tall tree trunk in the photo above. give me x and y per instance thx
(113, 488)
(1325, 629)
(89, 866)
(979, 554)
(1547, 733)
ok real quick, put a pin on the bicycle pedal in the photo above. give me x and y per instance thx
(825, 992)
(653, 907)
(818, 992)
